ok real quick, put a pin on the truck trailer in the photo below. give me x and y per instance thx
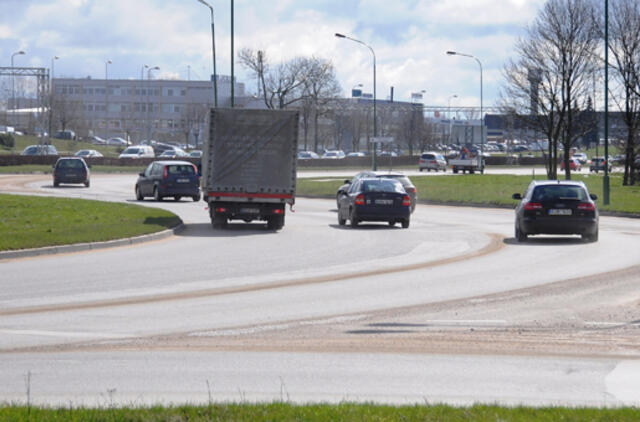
(249, 165)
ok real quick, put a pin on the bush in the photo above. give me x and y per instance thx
(7, 140)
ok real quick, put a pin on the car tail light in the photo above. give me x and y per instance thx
(586, 206)
(406, 201)
(532, 206)
(410, 190)
(434, 162)
(165, 172)
(360, 199)
(421, 161)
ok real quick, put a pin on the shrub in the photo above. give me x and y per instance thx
(7, 140)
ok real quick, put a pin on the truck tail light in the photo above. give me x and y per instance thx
(360, 199)
(221, 210)
(278, 211)
(532, 206)
(586, 206)
(406, 201)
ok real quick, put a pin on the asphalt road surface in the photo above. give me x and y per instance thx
(450, 310)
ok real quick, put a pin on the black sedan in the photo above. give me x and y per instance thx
(375, 199)
(169, 178)
(556, 207)
(71, 170)
(406, 183)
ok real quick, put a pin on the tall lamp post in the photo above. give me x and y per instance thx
(13, 87)
(455, 53)
(148, 84)
(213, 54)
(605, 179)
(50, 123)
(374, 165)
(106, 98)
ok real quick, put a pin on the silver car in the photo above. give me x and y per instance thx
(432, 161)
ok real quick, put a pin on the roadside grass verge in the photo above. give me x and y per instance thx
(33, 222)
(64, 146)
(317, 412)
(490, 190)
(47, 169)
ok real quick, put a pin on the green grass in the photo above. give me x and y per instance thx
(493, 190)
(32, 222)
(47, 169)
(319, 413)
(64, 147)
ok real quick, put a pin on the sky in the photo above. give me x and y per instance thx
(409, 38)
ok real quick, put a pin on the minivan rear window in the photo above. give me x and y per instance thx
(428, 156)
(181, 169)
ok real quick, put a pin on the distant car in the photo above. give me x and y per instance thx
(574, 164)
(556, 207)
(333, 154)
(432, 161)
(581, 156)
(375, 199)
(173, 153)
(40, 150)
(88, 153)
(168, 178)
(71, 170)
(619, 159)
(96, 140)
(196, 153)
(402, 178)
(65, 134)
(307, 155)
(117, 141)
(356, 154)
(598, 164)
(519, 148)
(138, 151)
(388, 154)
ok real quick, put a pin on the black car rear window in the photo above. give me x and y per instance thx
(558, 193)
(181, 169)
(70, 164)
(382, 185)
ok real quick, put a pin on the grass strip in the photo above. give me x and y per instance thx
(32, 222)
(47, 169)
(491, 190)
(317, 412)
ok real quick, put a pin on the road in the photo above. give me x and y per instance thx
(450, 310)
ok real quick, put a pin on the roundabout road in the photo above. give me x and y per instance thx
(451, 309)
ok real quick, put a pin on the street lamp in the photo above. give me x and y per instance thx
(106, 75)
(13, 87)
(53, 59)
(375, 125)
(148, 84)
(213, 54)
(106, 96)
(455, 53)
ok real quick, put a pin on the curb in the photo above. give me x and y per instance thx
(79, 247)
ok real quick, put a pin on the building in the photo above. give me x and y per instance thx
(137, 109)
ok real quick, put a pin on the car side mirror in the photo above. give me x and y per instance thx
(516, 196)
(141, 174)
(348, 182)
(53, 166)
(593, 196)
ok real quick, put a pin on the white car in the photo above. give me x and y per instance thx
(333, 155)
(307, 155)
(356, 154)
(138, 151)
(87, 153)
(581, 156)
(117, 141)
(432, 161)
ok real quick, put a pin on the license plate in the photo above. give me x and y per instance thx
(559, 212)
(384, 201)
(249, 211)
(182, 180)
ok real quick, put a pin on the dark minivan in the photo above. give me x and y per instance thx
(169, 178)
(71, 170)
(556, 207)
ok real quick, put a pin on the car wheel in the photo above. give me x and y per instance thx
(520, 237)
(196, 198)
(590, 237)
(392, 223)
(87, 184)
(56, 184)
(177, 198)
(353, 219)
(405, 223)
(156, 194)
(139, 196)
(341, 221)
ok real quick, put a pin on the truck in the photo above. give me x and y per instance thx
(249, 165)
(471, 164)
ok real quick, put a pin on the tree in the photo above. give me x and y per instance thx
(547, 86)
(65, 112)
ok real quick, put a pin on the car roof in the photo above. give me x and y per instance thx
(168, 162)
(558, 182)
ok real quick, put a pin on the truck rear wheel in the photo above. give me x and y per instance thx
(275, 222)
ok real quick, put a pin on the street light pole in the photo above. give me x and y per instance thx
(213, 54)
(51, 95)
(374, 165)
(148, 84)
(106, 98)
(13, 87)
(605, 180)
(454, 53)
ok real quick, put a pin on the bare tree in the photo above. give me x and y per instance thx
(66, 112)
(624, 44)
(547, 86)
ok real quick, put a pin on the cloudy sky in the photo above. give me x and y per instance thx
(409, 37)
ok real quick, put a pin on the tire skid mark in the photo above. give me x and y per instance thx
(495, 244)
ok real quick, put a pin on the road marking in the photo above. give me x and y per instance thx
(609, 324)
(467, 321)
(64, 334)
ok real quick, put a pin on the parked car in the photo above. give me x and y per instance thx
(574, 164)
(138, 151)
(388, 154)
(117, 141)
(307, 155)
(375, 199)
(333, 154)
(400, 177)
(356, 154)
(71, 170)
(432, 161)
(196, 153)
(96, 140)
(556, 207)
(168, 178)
(581, 156)
(88, 153)
(173, 153)
(66, 134)
(598, 164)
(40, 150)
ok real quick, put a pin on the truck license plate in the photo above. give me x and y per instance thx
(384, 201)
(559, 212)
(249, 211)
